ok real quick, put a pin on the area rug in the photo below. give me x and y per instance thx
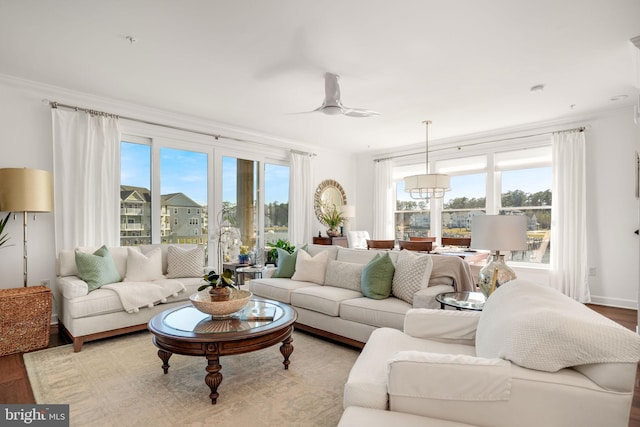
(120, 382)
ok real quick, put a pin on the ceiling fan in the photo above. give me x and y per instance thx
(332, 104)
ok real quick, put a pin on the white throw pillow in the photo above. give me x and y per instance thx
(343, 275)
(185, 262)
(141, 267)
(311, 269)
(412, 274)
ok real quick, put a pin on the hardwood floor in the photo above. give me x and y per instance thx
(15, 387)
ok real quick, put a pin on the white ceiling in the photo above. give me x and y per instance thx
(467, 65)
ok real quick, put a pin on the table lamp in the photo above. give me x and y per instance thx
(25, 190)
(348, 212)
(497, 233)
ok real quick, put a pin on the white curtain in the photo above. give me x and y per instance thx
(300, 199)
(86, 179)
(383, 201)
(569, 270)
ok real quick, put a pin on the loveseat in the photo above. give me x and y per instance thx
(147, 280)
(533, 357)
(326, 289)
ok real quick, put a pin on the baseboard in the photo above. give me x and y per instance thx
(614, 302)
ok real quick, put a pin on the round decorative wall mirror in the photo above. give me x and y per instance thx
(328, 194)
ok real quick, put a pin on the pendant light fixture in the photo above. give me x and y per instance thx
(428, 185)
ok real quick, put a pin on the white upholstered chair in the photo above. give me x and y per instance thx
(358, 239)
(533, 357)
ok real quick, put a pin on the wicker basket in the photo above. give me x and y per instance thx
(25, 318)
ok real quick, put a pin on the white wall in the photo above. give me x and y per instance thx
(613, 249)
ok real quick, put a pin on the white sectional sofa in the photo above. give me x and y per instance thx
(339, 310)
(533, 357)
(89, 315)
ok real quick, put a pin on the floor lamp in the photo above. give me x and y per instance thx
(25, 190)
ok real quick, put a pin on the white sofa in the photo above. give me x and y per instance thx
(86, 316)
(344, 313)
(533, 357)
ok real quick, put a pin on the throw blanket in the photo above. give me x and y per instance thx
(539, 328)
(447, 268)
(136, 295)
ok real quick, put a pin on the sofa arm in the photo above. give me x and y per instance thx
(426, 298)
(72, 287)
(442, 325)
(416, 376)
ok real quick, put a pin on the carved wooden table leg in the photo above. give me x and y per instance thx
(164, 356)
(214, 377)
(286, 349)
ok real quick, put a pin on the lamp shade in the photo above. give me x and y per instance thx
(26, 190)
(427, 185)
(499, 232)
(348, 211)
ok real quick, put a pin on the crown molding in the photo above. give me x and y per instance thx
(172, 118)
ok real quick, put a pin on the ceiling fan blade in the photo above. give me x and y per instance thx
(359, 112)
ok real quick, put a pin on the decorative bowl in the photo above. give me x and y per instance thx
(237, 300)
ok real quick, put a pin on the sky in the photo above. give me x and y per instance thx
(185, 172)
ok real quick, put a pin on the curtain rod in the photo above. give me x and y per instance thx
(54, 104)
(458, 147)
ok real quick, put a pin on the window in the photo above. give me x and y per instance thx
(239, 194)
(525, 182)
(135, 197)
(276, 202)
(515, 182)
(169, 186)
(183, 184)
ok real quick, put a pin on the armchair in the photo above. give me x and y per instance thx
(533, 357)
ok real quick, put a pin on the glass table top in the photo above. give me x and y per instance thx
(254, 315)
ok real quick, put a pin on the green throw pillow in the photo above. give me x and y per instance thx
(377, 277)
(97, 269)
(286, 263)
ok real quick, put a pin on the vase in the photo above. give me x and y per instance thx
(219, 294)
(243, 258)
(333, 232)
(494, 274)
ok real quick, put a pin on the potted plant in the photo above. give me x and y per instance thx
(4, 237)
(243, 258)
(272, 253)
(334, 218)
(220, 285)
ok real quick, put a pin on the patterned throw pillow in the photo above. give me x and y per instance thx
(97, 269)
(185, 262)
(377, 276)
(412, 274)
(143, 268)
(344, 275)
(311, 269)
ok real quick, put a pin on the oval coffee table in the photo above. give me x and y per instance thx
(185, 330)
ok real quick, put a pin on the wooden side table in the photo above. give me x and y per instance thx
(338, 241)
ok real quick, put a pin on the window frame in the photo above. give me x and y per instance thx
(490, 149)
